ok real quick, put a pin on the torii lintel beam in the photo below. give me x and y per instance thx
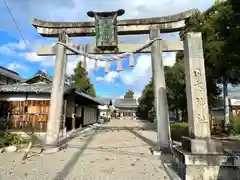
(167, 24)
(91, 49)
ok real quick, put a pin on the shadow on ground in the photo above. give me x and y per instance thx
(132, 130)
(119, 150)
(71, 163)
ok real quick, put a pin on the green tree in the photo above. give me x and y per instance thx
(146, 101)
(81, 80)
(220, 39)
(129, 94)
(221, 34)
(175, 84)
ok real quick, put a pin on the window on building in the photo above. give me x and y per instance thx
(1, 77)
(7, 80)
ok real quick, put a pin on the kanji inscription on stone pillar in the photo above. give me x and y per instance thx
(198, 115)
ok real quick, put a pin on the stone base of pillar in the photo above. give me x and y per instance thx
(156, 151)
(205, 166)
(202, 146)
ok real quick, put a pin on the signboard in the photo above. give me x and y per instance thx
(106, 29)
(235, 102)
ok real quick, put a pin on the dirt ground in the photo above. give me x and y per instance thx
(118, 150)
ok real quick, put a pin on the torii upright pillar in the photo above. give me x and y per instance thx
(56, 103)
(160, 97)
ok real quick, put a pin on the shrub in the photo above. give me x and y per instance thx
(1, 140)
(12, 139)
(106, 119)
(178, 130)
(235, 127)
(151, 115)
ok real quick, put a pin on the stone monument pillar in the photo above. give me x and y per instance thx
(200, 157)
(199, 140)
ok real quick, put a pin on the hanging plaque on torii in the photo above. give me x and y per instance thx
(106, 29)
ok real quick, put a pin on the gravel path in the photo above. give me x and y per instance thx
(119, 151)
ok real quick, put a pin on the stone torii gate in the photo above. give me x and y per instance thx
(199, 157)
(151, 26)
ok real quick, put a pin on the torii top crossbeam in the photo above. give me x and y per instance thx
(167, 24)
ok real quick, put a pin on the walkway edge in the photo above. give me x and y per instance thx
(171, 173)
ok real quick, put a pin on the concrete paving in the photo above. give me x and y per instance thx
(118, 150)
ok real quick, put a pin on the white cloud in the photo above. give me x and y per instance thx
(5, 50)
(109, 78)
(99, 79)
(142, 72)
(20, 49)
(16, 66)
(21, 45)
(31, 56)
(11, 48)
(169, 58)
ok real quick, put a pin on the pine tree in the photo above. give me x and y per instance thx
(129, 94)
(82, 81)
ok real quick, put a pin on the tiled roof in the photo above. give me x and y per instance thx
(40, 87)
(126, 103)
(43, 74)
(9, 73)
(39, 74)
(104, 101)
(79, 92)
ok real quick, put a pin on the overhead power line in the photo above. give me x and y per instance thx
(17, 27)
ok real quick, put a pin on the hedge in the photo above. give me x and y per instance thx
(106, 119)
(11, 139)
(235, 126)
(178, 130)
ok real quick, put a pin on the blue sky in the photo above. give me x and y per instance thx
(20, 55)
